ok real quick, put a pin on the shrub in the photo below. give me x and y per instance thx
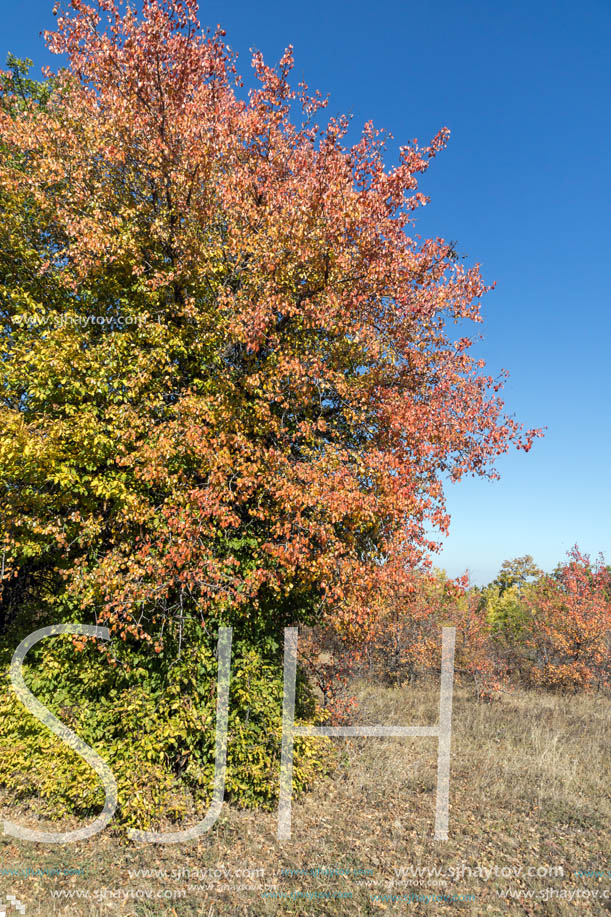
(570, 633)
(153, 720)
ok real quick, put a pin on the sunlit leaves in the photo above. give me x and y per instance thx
(239, 400)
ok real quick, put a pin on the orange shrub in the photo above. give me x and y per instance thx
(570, 633)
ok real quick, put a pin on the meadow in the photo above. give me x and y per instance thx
(529, 792)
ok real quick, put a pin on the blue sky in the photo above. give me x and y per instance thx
(524, 189)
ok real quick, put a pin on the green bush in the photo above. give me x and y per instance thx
(152, 718)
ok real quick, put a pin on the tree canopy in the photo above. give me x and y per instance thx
(230, 390)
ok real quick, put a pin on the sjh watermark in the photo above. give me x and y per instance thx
(11, 902)
(442, 731)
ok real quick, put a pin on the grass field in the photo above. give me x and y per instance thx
(529, 790)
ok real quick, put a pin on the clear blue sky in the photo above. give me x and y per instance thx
(525, 189)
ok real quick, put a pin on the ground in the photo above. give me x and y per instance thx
(529, 790)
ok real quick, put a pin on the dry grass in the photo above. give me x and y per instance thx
(530, 781)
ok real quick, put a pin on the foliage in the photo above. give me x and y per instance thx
(516, 573)
(552, 632)
(154, 724)
(504, 609)
(230, 395)
(228, 387)
(571, 625)
(20, 88)
(404, 639)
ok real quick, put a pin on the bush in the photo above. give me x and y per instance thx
(154, 722)
(403, 639)
(570, 636)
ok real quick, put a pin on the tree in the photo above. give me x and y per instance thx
(405, 639)
(516, 573)
(228, 389)
(504, 606)
(18, 92)
(571, 625)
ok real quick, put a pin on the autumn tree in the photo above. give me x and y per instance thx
(570, 633)
(503, 602)
(230, 391)
(517, 573)
(404, 642)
